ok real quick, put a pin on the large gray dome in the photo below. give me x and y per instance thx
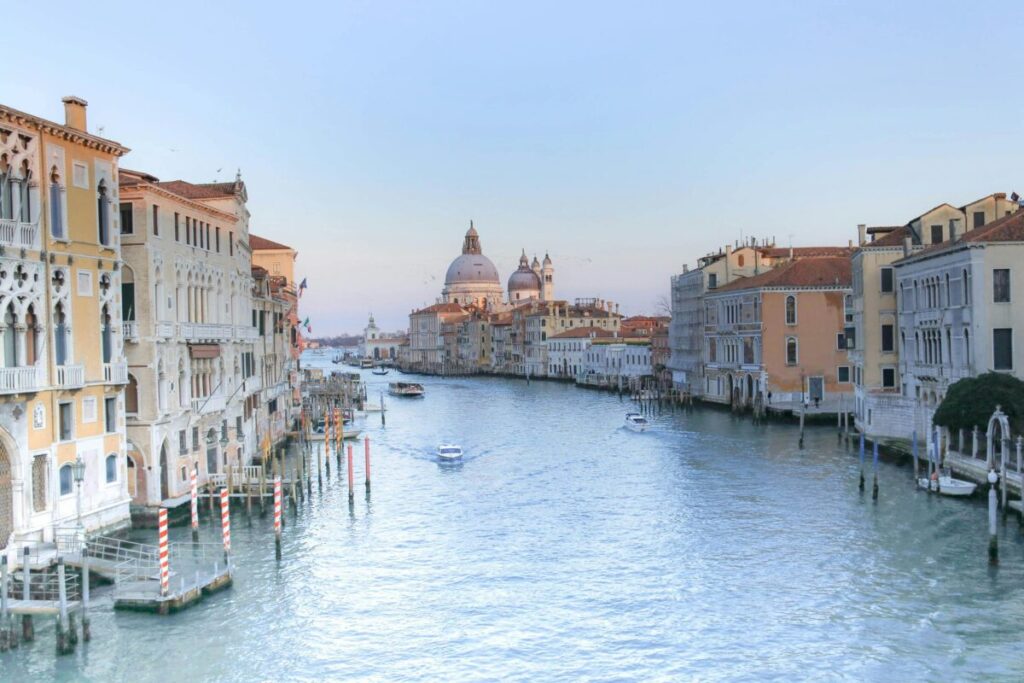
(523, 280)
(469, 268)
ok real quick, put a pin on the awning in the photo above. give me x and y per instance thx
(204, 350)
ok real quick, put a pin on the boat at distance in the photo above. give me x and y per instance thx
(947, 485)
(380, 371)
(637, 422)
(405, 389)
(366, 363)
(448, 451)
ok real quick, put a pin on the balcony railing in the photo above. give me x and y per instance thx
(14, 233)
(70, 376)
(19, 380)
(130, 330)
(165, 330)
(115, 373)
(208, 404)
(204, 331)
(245, 332)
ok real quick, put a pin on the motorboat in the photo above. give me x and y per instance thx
(947, 484)
(366, 363)
(380, 371)
(409, 389)
(637, 422)
(447, 451)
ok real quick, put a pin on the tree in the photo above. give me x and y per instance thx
(971, 402)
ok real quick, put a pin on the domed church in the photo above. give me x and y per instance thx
(472, 279)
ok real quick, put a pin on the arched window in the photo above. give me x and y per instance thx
(60, 335)
(103, 213)
(949, 300)
(25, 195)
(111, 464)
(6, 196)
(131, 396)
(791, 351)
(66, 480)
(106, 343)
(791, 310)
(10, 338)
(967, 346)
(739, 260)
(56, 205)
(966, 282)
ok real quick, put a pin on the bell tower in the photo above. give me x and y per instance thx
(547, 279)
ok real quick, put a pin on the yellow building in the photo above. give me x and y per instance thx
(61, 399)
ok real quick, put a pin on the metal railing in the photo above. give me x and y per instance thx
(192, 566)
(44, 586)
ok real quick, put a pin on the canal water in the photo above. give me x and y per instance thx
(567, 548)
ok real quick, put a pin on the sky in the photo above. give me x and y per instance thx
(625, 139)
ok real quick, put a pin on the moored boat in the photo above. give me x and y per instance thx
(637, 422)
(410, 389)
(380, 371)
(947, 485)
(448, 451)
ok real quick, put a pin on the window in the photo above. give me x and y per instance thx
(216, 234)
(131, 396)
(791, 351)
(712, 280)
(841, 341)
(39, 470)
(80, 175)
(110, 415)
(195, 438)
(739, 260)
(177, 227)
(56, 206)
(66, 421)
(979, 219)
(936, 234)
(850, 333)
(188, 230)
(111, 464)
(791, 310)
(1002, 348)
(887, 338)
(103, 214)
(127, 219)
(843, 374)
(887, 280)
(156, 220)
(231, 243)
(182, 445)
(888, 377)
(88, 409)
(238, 427)
(66, 484)
(1001, 285)
(84, 283)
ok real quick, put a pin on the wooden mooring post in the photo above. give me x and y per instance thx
(319, 467)
(28, 629)
(194, 505)
(366, 444)
(64, 642)
(6, 632)
(993, 538)
(913, 451)
(874, 458)
(86, 625)
(803, 409)
(861, 453)
(351, 492)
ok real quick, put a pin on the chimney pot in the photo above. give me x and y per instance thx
(74, 112)
(862, 231)
(907, 241)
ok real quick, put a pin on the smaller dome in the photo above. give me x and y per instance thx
(536, 263)
(523, 280)
(547, 259)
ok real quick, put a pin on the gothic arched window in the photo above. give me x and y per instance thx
(791, 310)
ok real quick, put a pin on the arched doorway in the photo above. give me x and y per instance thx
(164, 476)
(728, 386)
(750, 388)
(6, 497)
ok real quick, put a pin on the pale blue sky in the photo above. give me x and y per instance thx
(625, 138)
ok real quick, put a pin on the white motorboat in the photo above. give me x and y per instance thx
(405, 389)
(380, 371)
(947, 485)
(637, 422)
(447, 451)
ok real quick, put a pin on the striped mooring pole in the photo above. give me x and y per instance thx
(277, 517)
(339, 434)
(165, 570)
(351, 493)
(225, 520)
(194, 493)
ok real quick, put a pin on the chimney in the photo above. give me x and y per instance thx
(907, 241)
(686, 268)
(74, 112)
(954, 230)
(862, 234)
(850, 244)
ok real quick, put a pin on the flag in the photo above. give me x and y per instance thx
(302, 286)
(305, 323)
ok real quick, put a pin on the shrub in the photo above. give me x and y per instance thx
(971, 402)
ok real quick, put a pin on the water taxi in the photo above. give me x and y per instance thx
(636, 422)
(449, 451)
(405, 389)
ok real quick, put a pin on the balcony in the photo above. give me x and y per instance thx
(115, 373)
(14, 233)
(70, 376)
(254, 383)
(208, 404)
(165, 330)
(204, 332)
(246, 333)
(130, 330)
(21, 380)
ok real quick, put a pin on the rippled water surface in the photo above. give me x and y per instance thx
(566, 548)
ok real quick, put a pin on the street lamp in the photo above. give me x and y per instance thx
(78, 472)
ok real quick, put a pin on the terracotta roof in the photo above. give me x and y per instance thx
(1006, 229)
(441, 308)
(257, 243)
(128, 178)
(584, 332)
(259, 271)
(804, 252)
(821, 271)
(199, 191)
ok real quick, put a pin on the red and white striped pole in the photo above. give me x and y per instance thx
(277, 516)
(351, 493)
(225, 520)
(165, 570)
(194, 493)
(366, 446)
(339, 434)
